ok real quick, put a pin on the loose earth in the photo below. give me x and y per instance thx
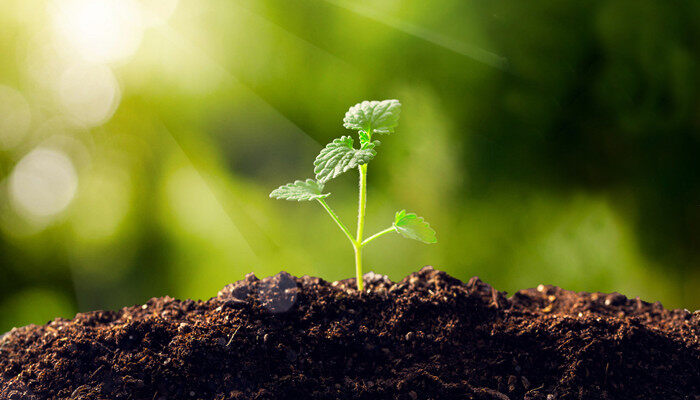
(429, 336)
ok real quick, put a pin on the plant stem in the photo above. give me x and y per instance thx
(378, 234)
(358, 267)
(338, 221)
(360, 225)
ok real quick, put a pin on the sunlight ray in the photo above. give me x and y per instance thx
(210, 187)
(267, 21)
(271, 246)
(474, 52)
(177, 39)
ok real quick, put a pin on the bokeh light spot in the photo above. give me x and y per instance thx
(42, 184)
(89, 93)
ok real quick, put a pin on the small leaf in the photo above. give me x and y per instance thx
(370, 145)
(339, 156)
(373, 117)
(411, 226)
(300, 191)
(364, 137)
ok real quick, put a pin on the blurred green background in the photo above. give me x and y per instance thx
(546, 141)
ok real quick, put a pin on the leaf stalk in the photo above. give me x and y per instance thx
(337, 220)
(378, 234)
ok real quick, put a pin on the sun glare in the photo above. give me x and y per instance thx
(101, 31)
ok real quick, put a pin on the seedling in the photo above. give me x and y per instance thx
(367, 118)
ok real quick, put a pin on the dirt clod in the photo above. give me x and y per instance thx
(429, 336)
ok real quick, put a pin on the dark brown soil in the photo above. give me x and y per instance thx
(429, 336)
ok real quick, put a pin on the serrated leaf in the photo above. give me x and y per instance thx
(412, 226)
(300, 191)
(339, 156)
(373, 117)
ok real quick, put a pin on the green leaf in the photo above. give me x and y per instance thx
(373, 117)
(411, 226)
(300, 191)
(339, 156)
(364, 137)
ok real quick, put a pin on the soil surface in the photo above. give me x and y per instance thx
(429, 336)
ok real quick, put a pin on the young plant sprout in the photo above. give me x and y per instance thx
(367, 118)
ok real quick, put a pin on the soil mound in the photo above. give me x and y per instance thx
(429, 336)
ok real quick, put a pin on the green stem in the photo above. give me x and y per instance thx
(378, 234)
(360, 225)
(358, 267)
(337, 221)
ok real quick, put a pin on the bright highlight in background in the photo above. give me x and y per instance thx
(102, 31)
(43, 184)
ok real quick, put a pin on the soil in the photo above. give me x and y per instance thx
(429, 336)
